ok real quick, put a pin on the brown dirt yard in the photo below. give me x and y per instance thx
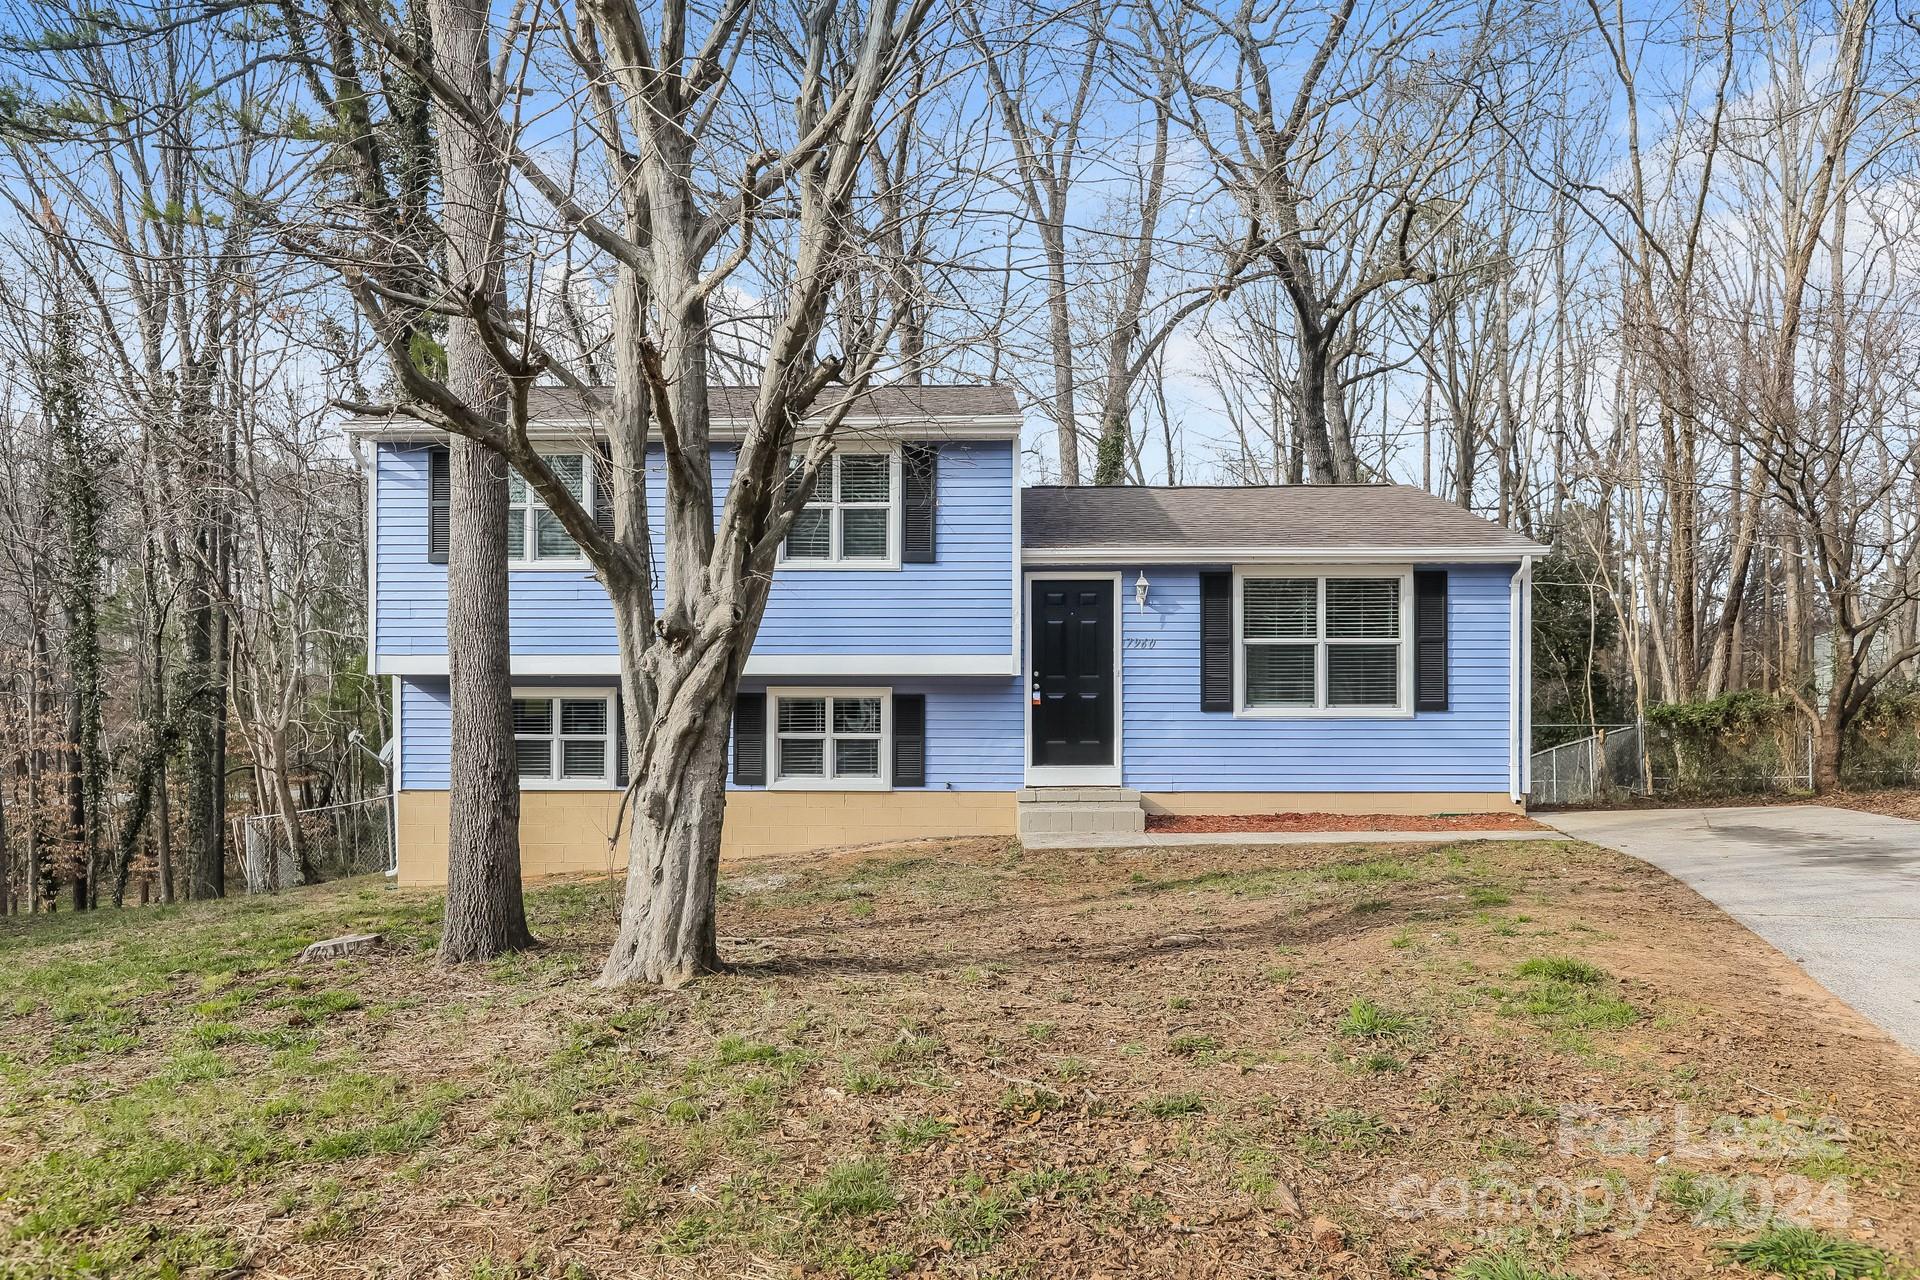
(1484, 1060)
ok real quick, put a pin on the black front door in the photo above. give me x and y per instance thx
(1072, 689)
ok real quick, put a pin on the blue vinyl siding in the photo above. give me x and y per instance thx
(974, 729)
(963, 604)
(1169, 744)
(424, 733)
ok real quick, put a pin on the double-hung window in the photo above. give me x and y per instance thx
(534, 534)
(851, 515)
(1322, 644)
(829, 738)
(564, 739)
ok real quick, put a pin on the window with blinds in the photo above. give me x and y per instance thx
(1321, 643)
(534, 534)
(829, 738)
(850, 515)
(564, 740)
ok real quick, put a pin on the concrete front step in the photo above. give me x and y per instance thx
(1069, 811)
(1075, 795)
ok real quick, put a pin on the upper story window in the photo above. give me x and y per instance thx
(1312, 644)
(564, 739)
(852, 515)
(534, 534)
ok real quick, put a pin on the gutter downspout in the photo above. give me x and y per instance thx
(1520, 681)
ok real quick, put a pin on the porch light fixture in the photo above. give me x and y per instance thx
(1140, 588)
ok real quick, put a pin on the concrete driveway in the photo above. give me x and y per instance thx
(1836, 890)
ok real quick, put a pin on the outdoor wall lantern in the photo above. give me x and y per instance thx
(1140, 589)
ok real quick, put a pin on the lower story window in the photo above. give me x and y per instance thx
(564, 738)
(829, 738)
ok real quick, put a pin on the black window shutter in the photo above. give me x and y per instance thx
(439, 503)
(749, 739)
(1430, 640)
(909, 739)
(603, 488)
(1216, 642)
(620, 775)
(920, 480)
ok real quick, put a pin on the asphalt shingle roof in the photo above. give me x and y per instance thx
(1332, 518)
(890, 402)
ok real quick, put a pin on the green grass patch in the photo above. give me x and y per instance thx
(1258, 883)
(1563, 969)
(1372, 871)
(1169, 1106)
(1365, 1020)
(851, 1262)
(1504, 1266)
(858, 1189)
(1568, 997)
(1193, 1044)
(1563, 1006)
(1797, 1252)
(1350, 1129)
(917, 1132)
(974, 1221)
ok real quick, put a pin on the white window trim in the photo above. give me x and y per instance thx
(590, 492)
(605, 781)
(775, 782)
(896, 517)
(1402, 710)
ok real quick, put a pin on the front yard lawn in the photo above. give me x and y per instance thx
(1477, 1060)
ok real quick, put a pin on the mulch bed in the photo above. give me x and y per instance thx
(1203, 823)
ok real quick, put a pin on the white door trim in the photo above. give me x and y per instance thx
(1108, 775)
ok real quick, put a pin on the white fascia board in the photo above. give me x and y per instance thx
(995, 427)
(881, 664)
(779, 664)
(1279, 555)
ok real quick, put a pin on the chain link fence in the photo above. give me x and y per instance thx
(1587, 770)
(336, 840)
(1616, 762)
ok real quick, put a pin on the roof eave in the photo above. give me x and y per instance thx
(1281, 555)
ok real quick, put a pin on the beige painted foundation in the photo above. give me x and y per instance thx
(565, 832)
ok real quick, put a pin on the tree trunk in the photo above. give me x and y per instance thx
(289, 809)
(485, 913)
(206, 842)
(1060, 343)
(6, 856)
(1828, 736)
(1310, 413)
(77, 831)
(667, 934)
(151, 768)
(34, 762)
